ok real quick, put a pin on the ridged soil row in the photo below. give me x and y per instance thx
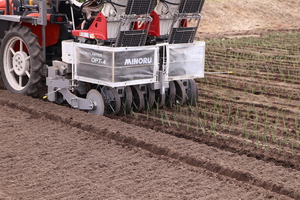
(279, 179)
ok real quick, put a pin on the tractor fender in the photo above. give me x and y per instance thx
(3, 6)
(52, 30)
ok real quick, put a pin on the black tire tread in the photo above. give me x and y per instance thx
(36, 59)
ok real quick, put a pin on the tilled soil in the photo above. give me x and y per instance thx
(55, 152)
(49, 151)
(240, 17)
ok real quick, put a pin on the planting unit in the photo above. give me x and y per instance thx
(103, 56)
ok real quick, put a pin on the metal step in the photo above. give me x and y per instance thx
(131, 38)
(191, 6)
(182, 35)
(139, 7)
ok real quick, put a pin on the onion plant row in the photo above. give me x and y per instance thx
(259, 103)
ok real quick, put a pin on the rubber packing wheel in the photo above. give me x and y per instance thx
(127, 100)
(192, 92)
(138, 100)
(171, 94)
(111, 99)
(149, 98)
(180, 93)
(159, 99)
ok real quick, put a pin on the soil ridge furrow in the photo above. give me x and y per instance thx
(158, 143)
(232, 145)
(252, 81)
(254, 92)
(256, 104)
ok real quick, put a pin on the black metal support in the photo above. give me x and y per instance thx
(7, 7)
(191, 6)
(138, 7)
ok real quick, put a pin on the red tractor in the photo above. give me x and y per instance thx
(103, 55)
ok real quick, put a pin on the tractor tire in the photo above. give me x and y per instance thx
(21, 61)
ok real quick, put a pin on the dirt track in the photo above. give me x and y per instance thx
(53, 152)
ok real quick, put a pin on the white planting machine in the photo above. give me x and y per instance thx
(103, 55)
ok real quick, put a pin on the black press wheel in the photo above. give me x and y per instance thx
(180, 97)
(170, 94)
(21, 61)
(127, 100)
(149, 98)
(138, 100)
(111, 99)
(192, 92)
(159, 99)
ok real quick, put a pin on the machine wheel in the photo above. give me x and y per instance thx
(138, 101)
(192, 92)
(111, 99)
(127, 100)
(59, 98)
(149, 98)
(21, 61)
(171, 94)
(180, 93)
(159, 99)
(98, 101)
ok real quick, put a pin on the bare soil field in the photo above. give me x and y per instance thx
(241, 140)
(240, 17)
(54, 152)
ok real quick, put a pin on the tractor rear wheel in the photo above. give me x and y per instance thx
(21, 61)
